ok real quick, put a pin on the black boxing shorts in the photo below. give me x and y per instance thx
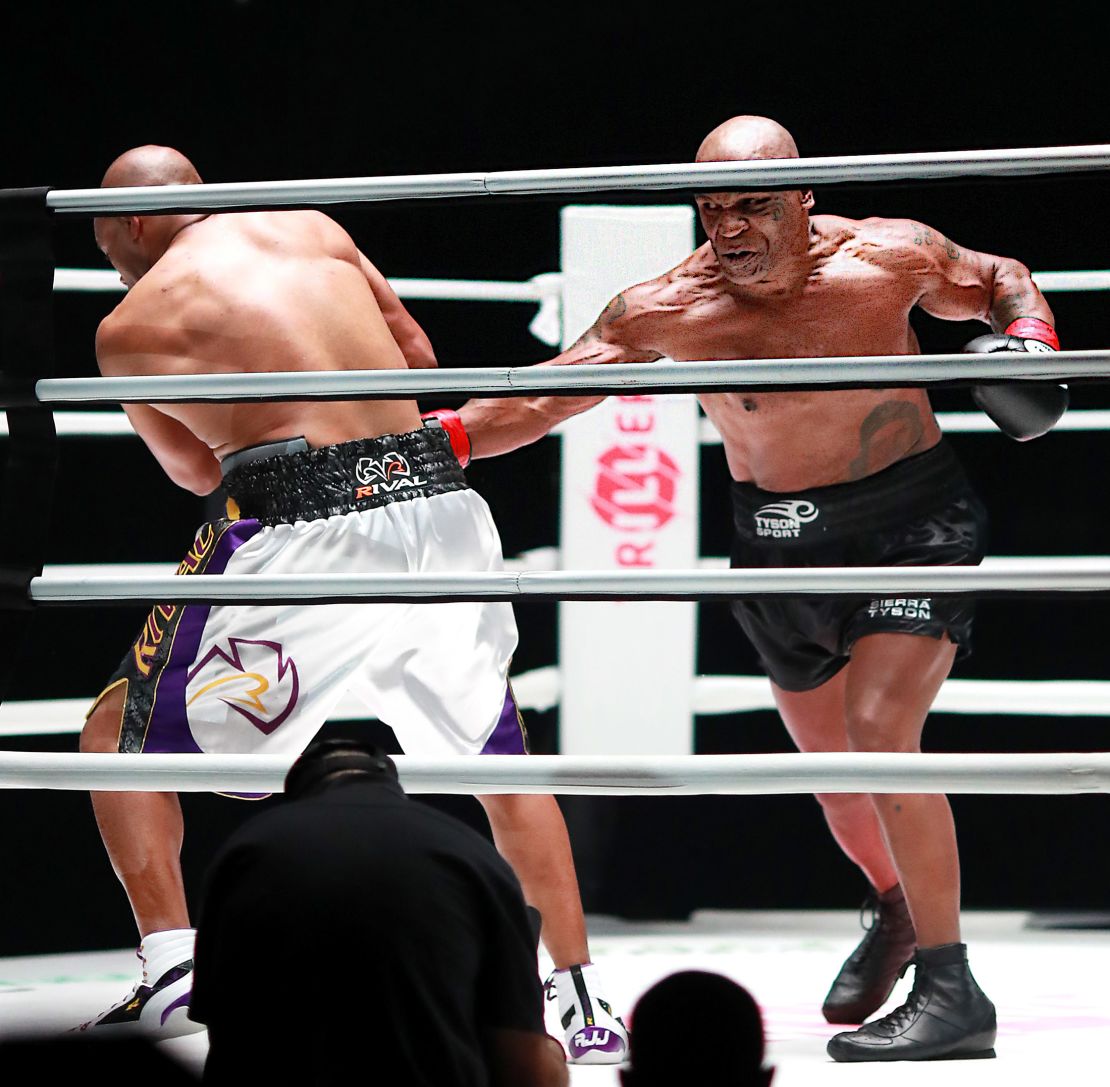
(918, 512)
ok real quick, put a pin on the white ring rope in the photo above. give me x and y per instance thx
(681, 775)
(541, 288)
(869, 371)
(706, 176)
(1072, 575)
(540, 690)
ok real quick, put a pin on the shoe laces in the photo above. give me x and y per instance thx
(897, 1020)
(870, 920)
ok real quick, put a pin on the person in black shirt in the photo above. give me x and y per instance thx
(354, 929)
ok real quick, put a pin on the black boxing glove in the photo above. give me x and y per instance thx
(1025, 409)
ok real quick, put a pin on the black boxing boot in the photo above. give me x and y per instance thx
(868, 975)
(946, 1016)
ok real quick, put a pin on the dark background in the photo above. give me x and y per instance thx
(256, 91)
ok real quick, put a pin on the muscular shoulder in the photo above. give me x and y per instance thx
(300, 233)
(905, 242)
(643, 314)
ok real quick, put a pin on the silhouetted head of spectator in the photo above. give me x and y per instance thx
(330, 762)
(696, 1027)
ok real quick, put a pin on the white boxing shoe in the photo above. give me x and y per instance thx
(594, 1035)
(158, 1006)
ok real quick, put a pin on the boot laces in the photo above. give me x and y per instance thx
(896, 1021)
(871, 921)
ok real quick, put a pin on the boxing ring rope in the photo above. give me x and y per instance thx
(706, 176)
(864, 371)
(681, 775)
(545, 286)
(1051, 576)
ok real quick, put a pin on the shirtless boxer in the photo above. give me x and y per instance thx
(360, 486)
(835, 479)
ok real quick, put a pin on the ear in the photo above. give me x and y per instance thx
(807, 199)
(135, 224)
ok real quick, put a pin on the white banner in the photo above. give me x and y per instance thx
(629, 501)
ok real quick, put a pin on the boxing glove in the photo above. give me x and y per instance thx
(449, 420)
(1023, 410)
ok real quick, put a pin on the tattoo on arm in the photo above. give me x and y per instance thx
(1007, 308)
(612, 312)
(922, 235)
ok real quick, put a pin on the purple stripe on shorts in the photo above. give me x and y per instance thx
(169, 722)
(508, 736)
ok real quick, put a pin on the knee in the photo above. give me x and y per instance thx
(101, 729)
(879, 725)
(844, 805)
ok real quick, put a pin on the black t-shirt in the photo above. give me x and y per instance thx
(357, 930)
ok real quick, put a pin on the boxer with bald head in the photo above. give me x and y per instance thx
(838, 478)
(359, 486)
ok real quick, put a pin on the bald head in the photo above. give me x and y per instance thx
(747, 137)
(150, 165)
(133, 243)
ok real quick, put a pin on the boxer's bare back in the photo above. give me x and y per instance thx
(246, 293)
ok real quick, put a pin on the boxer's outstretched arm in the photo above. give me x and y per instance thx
(499, 425)
(409, 336)
(960, 284)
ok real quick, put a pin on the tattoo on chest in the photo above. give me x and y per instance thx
(887, 434)
(925, 236)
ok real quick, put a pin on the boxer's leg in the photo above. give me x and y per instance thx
(891, 684)
(530, 833)
(142, 832)
(892, 681)
(816, 722)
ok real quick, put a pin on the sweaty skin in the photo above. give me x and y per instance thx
(774, 282)
(253, 292)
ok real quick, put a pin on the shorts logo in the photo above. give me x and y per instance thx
(901, 608)
(254, 678)
(635, 488)
(784, 519)
(380, 475)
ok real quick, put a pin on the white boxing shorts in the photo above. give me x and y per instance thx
(234, 679)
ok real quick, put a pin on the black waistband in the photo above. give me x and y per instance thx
(311, 483)
(907, 489)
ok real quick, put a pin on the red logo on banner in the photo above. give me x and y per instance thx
(635, 488)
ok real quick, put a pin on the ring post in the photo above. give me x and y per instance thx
(629, 502)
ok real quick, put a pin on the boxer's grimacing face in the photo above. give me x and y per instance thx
(751, 231)
(120, 240)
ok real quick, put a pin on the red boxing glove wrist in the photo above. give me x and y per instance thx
(452, 423)
(1033, 328)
